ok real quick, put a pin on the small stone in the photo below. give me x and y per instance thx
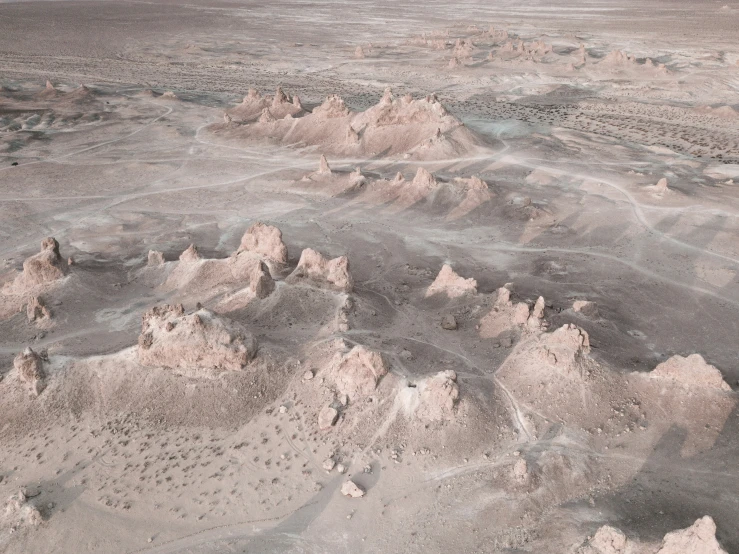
(341, 468)
(352, 490)
(308, 375)
(449, 322)
(329, 464)
(283, 409)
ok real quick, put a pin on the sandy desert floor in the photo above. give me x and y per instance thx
(381, 277)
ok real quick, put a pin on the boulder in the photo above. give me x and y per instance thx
(351, 489)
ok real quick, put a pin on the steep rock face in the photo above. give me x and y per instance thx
(357, 372)
(450, 283)
(691, 371)
(314, 267)
(200, 342)
(266, 241)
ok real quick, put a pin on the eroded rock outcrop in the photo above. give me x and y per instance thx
(699, 538)
(266, 241)
(41, 269)
(37, 311)
(356, 373)
(195, 343)
(564, 348)
(190, 254)
(155, 258)
(314, 267)
(30, 370)
(450, 283)
(438, 397)
(506, 316)
(607, 540)
(20, 512)
(691, 371)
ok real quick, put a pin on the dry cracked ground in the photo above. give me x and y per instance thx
(318, 277)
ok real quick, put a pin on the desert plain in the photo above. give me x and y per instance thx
(333, 277)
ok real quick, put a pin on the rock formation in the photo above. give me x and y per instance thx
(607, 540)
(155, 258)
(451, 284)
(266, 241)
(323, 167)
(41, 269)
(190, 254)
(438, 396)
(36, 310)
(505, 315)
(357, 372)
(19, 512)
(193, 343)
(29, 367)
(585, 307)
(691, 371)
(699, 538)
(321, 271)
(565, 347)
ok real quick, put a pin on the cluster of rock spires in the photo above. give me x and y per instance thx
(459, 196)
(393, 126)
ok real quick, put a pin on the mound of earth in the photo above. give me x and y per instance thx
(357, 372)
(692, 371)
(449, 283)
(318, 270)
(29, 368)
(392, 127)
(200, 343)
